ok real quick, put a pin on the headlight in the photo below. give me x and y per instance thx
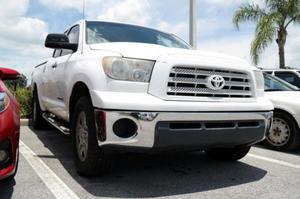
(259, 79)
(128, 69)
(4, 101)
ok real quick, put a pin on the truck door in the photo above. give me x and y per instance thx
(45, 88)
(58, 78)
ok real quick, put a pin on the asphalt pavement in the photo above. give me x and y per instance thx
(46, 170)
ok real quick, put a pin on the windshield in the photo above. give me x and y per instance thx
(273, 83)
(104, 32)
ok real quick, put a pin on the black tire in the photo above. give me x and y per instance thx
(284, 135)
(89, 161)
(228, 154)
(38, 121)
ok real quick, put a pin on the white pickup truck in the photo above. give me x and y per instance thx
(125, 87)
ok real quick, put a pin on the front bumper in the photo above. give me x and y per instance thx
(188, 130)
(9, 141)
(8, 166)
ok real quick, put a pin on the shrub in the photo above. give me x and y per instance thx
(24, 97)
(22, 93)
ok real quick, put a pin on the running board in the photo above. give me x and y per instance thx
(60, 125)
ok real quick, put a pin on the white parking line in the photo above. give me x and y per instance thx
(280, 162)
(59, 189)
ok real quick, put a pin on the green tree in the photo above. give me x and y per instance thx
(272, 21)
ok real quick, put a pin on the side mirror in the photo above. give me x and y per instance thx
(59, 41)
(8, 74)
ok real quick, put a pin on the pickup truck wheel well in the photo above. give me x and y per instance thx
(285, 112)
(293, 141)
(34, 88)
(79, 90)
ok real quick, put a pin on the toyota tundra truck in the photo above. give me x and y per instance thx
(115, 86)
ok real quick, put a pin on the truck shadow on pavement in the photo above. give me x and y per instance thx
(138, 175)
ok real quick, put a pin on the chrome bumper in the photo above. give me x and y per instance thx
(188, 129)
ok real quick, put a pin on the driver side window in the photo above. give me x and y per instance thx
(56, 53)
(73, 36)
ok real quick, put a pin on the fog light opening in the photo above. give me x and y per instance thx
(3, 156)
(125, 128)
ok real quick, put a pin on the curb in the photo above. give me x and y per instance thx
(25, 122)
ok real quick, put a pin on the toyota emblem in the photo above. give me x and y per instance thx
(215, 82)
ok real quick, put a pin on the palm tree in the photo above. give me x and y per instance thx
(272, 21)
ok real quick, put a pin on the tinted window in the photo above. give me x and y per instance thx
(102, 32)
(289, 77)
(268, 72)
(73, 36)
(275, 84)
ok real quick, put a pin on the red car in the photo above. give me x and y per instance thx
(9, 127)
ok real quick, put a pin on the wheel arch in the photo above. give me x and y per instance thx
(289, 114)
(79, 89)
(36, 89)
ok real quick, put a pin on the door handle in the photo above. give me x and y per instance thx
(54, 65)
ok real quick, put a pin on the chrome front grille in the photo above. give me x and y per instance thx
(192, 81)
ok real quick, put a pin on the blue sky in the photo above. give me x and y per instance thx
(25, 23)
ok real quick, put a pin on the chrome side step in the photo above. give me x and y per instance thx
(56, 123)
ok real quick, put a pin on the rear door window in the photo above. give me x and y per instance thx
(289, 77)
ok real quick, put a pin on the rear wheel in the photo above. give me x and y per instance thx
(38, 121)
(228, 154)
(89, 158)
(284, 135)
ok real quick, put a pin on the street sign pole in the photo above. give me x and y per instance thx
(193, 24)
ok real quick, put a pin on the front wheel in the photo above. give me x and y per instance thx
(284, 135)
(228, 154)
(89, 158)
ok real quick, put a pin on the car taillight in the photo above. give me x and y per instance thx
(4, 101)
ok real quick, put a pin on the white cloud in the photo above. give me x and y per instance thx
(62, 4)
(21, 38)
(232, 46)
(232, 2)
(292, 47)
(129, 11)
(23, 30)
(223, 2)
(12, 9)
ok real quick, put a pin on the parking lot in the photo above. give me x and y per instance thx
(46, 170)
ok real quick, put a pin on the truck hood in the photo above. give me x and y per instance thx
(161, 53)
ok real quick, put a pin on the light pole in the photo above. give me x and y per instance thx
(83, 9)
(193, 24)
